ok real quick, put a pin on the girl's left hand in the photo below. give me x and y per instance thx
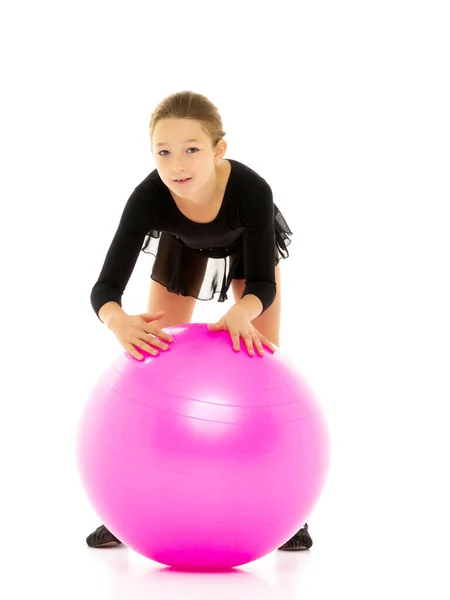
(238, 324)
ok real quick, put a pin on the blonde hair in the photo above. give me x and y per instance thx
(189, 105)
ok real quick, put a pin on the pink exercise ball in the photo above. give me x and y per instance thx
(203, 457)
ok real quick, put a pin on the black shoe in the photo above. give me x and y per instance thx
(301, 540)
(102, 538)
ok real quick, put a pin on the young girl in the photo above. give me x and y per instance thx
(211, 223)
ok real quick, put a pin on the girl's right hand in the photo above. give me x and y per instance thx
(136, 332)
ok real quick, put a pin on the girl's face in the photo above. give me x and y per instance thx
(181, 149)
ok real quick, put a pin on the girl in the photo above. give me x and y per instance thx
(211, 223)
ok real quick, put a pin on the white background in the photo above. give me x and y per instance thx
(343, 107)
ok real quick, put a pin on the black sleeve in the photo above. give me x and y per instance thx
(259, 244)
(136, 220)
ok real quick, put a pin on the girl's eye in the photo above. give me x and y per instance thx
(192, 148)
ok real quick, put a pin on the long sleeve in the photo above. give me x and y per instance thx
(136, 220)
(259, 244)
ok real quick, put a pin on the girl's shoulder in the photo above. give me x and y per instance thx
(245, 174)
(253, 196)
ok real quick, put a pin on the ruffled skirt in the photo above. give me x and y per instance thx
(191, 272)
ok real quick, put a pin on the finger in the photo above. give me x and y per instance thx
(267, 343)
(162, 334)
(153, 316)
(144, 346)
(257, 344)
(249, 343)
(165, 336)
(133, 351)
(236, 341)
(154, 341)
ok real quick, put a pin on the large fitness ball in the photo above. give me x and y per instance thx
(203, 457)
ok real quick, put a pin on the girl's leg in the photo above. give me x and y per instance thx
(178, 309)
(268, 324)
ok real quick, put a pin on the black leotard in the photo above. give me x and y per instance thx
(246, 217)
